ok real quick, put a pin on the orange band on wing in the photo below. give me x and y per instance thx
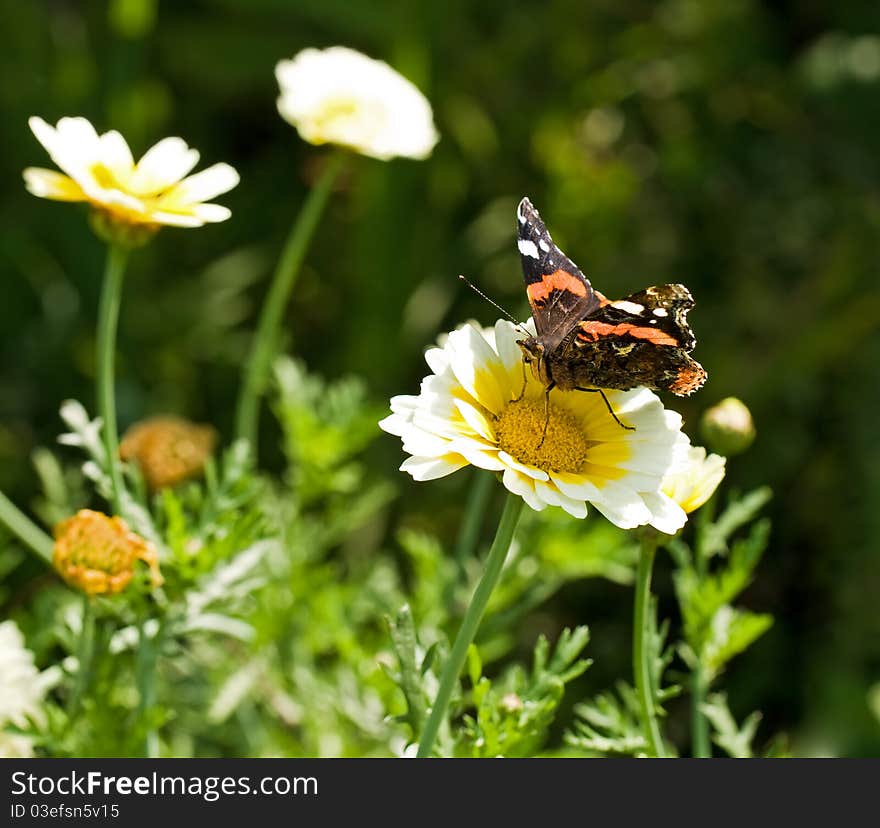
(558, 280)
(594, 330)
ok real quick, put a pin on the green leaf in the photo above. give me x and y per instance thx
(735, 741)
(410, 679)
(732, 632)
(713, 536)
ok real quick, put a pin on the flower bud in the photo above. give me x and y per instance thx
(727, 428)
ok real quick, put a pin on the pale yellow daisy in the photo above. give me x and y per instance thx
(101, 170)
(479, 407)
(340, 96)
(692, 483)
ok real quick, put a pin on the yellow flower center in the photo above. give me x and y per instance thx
(335, 110)
(519, 430)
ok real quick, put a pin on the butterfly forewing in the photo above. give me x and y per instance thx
(559, 293)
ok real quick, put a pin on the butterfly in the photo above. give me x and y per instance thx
(586, 342)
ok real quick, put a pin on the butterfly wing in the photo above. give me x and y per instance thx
(559, 294)
(643, 339)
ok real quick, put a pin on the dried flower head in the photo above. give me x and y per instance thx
(168, 449)
(98, 554)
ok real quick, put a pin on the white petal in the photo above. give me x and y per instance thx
(164, 164)
(431, 468)
(524, 487)
(529, 471)
(551, 494)
(476, 367)
(509, 353)
(667, 515)
(575, 487)
(477, 454)
(422, 443)
(51, 184)
(211, 213)
(73, 145)
(437, 360)
(175, 219)
(627, 515)
(475, 420)
(116, 155)
(202, 186)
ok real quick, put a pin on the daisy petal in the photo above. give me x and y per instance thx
(164, 164)
(524, 487)
(209, 183)
(667, 515)
(51, 184)
(431, 468)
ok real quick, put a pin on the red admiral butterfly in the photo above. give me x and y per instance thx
(585, 341)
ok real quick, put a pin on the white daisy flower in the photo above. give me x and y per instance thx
(340, 96)
(479, 407)
(101, 170)
(692, 483)
(21, 693)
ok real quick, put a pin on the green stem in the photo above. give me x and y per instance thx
(84, 654)
(108, 318)
(470, 622)
(265, 341)
(146, 675)
(25, 529)
(700, 744)
(699, 726)
(641, 655)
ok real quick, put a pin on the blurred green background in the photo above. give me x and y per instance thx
(731, 145)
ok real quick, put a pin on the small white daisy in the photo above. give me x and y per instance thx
(101, 170)
(340, 96)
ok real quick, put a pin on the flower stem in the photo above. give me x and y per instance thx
(700, 744)
(108, 318)
(478, 499)
(84, 654)
(699, 725)
(641, 655)
(470, 622)
(145, 669)
(266, 337)
(25, 529)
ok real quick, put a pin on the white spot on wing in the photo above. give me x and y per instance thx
(629, 307)
(519, 212)
(544, 246)
(661, 312)
(527, 248)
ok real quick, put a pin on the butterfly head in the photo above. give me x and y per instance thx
(534, 357)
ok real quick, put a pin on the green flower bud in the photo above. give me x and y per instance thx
(727, 428)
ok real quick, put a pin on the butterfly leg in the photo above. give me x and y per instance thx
(607, 405)
(547, 391)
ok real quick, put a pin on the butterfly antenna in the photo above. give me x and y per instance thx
(494, 304)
